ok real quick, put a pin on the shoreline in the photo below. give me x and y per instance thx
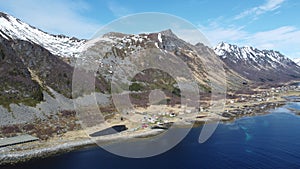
(68, 146)
(56, 146)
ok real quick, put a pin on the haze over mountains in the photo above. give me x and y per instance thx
(35, 66)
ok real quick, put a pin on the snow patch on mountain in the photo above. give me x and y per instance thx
(13, 28)
(258, 65)
(159, 37)
(297, 61)
(251, 55)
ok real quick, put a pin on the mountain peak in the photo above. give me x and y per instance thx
(4, 15)
(114, 34)
(225, 47)
(168, 32)
(257, 65)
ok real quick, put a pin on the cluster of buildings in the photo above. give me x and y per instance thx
(258, 102)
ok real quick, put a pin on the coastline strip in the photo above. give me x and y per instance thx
(17, 140)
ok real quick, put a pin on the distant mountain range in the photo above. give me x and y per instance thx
(35, 64)
(258, 65)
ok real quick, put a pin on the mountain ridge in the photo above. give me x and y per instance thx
(13, 28)
(254, 65)
(258, 65)
(37, 60)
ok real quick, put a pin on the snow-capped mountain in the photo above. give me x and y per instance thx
(114, 49)
(251, 63)
(297, 61)
(13, 28)
(258, 65)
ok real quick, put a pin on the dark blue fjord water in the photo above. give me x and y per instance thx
(269, 141)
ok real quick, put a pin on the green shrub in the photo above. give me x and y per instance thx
(176, 92)
(136, 87)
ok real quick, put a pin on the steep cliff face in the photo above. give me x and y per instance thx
(46, 68)
(17, 85)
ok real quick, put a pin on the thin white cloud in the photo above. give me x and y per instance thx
(285, 39)
(117, 9)
(58, 17)
(216, 34)
(270, 5)
(192, 36)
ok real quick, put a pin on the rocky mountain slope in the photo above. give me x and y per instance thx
(115, 49)
(35, 84)
(121, 54)
(35, 74)
(258, 65)
(17, 85)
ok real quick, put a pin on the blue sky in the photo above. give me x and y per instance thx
(265, 24)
